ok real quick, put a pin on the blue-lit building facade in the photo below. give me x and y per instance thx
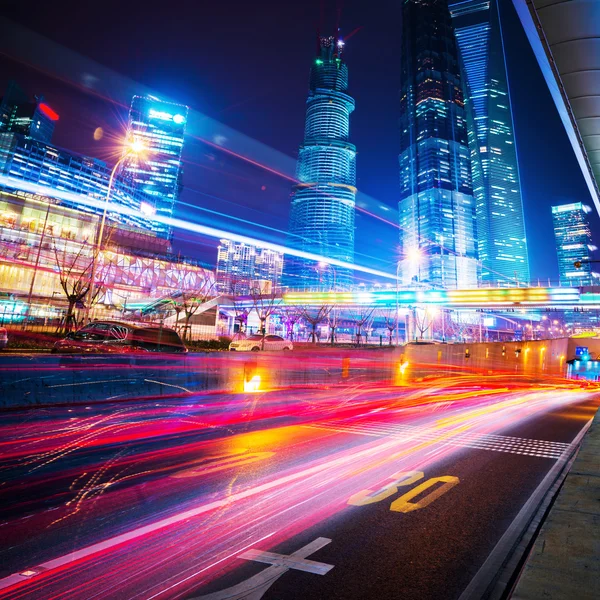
(157, 173)
(573, 243)
(23, 159)
(32, 118)
(502, 243)
(323, 201)
(437, 218)
(51, 206)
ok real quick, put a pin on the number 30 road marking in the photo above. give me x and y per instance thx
(404, 504)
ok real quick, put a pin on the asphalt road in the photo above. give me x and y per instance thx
(349, 492)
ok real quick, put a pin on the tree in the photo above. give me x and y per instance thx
(390, 317)
(290, 315)
(313, 316)
(424, 319)
(74, 272)
(361, 318)
(333, 319)
(192, 299)
(265, 300)
(235, 288)
(461, 326)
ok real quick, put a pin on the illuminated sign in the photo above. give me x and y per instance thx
(165, 116)
(46, 110)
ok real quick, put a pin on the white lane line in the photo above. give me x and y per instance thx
(494, 443)
(188, 514)
(169, 385)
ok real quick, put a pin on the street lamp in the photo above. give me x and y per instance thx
(134, 148)
(397, 307)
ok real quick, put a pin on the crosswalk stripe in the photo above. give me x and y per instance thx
(492, 442)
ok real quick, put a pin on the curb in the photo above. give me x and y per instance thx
(564, 562)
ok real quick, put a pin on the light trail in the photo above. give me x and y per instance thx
(185, 225)
(214, 516)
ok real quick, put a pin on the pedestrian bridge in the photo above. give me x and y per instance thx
(559, 298)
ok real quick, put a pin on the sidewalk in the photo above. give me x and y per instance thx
(564, 563)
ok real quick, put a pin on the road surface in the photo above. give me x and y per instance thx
(348, 492)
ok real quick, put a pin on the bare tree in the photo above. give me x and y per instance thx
(236, 288)
(390, 317)
(333, 319)
(361, 318)
(290, 316)
(424, 319)
(192, 299)
(265, 300)
(460, 328)
(315, 315)
(74, 272)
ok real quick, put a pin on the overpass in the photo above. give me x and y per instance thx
(565, 38)
(559, 298)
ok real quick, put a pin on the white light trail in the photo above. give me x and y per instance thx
(211, 232)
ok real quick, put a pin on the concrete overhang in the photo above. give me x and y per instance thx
(565, 37)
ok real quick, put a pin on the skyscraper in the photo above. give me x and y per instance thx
(322, 211)
(31, 118)
(573, 243)
(437, 208)
(238, 265)
(160, 127)
(500, 222)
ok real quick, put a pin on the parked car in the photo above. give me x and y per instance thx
(254, 343)
(108, 337)
(3, 337)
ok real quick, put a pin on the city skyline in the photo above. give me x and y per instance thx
(380, 241)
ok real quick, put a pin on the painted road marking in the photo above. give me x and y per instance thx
(494, 443)
(117, 540)
(365, 497)
(404, 504)
(255, 587)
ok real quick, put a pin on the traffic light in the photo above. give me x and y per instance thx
(577, 264)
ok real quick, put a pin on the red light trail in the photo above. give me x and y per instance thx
(227, 472)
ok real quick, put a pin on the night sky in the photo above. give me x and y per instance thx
(246, 65)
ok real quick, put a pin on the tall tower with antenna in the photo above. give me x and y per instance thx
(322, 211)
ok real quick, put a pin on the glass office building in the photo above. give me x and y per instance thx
(31, 118)
(23, 159)
(160, 127)
(573, 243)
(502, 242)
(238, 265)
(322, 211)
(438, 228)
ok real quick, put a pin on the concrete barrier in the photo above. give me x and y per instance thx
(564, 563)
(36, 380)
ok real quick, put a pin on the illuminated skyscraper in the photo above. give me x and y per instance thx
(322, 211)
(239, 265)
(573, 243)
(32, 118)
(160, 127)
(500, 221)
(437, 208)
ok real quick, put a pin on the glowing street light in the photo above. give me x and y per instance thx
(147, 209)
(132, 148)
(414, 255)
